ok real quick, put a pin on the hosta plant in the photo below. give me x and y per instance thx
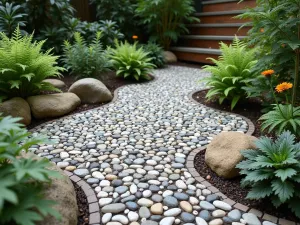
(85, 60)
(231, 73)
(273, 171)
(129, 61)
(155, 53)
(22, 178)
(24, 66)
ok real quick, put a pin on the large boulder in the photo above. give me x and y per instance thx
(53, 105)
(91, 91)
(56, 83)
(170, 57)
(16, 107)
(223, 153)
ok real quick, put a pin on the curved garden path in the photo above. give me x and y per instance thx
(133, 151)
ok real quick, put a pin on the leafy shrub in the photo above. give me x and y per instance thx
(273, 171)
(165, 19)
(11, 16)
(155, 53)
(22, 179)
(110, 32)
(85, 60)
(130, 61)
(232, 72)
(24, 66)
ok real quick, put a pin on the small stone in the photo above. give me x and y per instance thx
(187, 217)
(216, 222)
(170, 201)
(200, 221)
(133, 216)
(105, 201)
(167, 221)
(106, 217)
(251, 219)
(120, 218)
(145, 202)
(144, 212)
(222, 205)
(157, 209)
(186, 206)
(206, 205)
(205, 214)
(172, 212)
(113, 208)
(81, 172)
(131, 206)
(218, 213)
(180, 184)
(235, 215)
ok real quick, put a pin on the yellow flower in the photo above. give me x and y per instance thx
(267, 73)
(283, 86)
(135, 37)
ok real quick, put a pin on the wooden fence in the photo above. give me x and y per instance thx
(84, 10)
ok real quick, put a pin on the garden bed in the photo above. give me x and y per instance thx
(83, 205)
(109, 79)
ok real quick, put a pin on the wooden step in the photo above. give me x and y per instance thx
(198, 55)
(226, 5)
(221, 17)
(218, 29)
(205, 41)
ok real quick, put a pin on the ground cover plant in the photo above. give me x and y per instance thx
(24, 66)
(22, 179)
(155, 53)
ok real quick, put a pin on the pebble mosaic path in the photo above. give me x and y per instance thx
(133, 153)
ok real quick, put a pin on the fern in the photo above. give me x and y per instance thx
(231, 73)
(23, 66)
(85, 60)
(272, 171)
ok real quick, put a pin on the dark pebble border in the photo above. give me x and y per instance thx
(94, 210)
(191, 168)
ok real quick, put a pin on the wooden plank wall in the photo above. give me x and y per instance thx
(85, 11)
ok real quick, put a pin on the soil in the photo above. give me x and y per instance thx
(111, 81)
(83, 206)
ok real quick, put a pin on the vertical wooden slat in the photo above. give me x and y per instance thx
(84, 11)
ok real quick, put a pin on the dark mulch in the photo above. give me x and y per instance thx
(232, 189)
(111, 81)
(83, 206)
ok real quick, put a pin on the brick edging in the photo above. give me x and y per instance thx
(94, 210)
(191, 168)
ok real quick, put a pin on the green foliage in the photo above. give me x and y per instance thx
(165, 19)
(120, 11)
(232, 72)
(282, 117)
(155, 53)
(22, 179)
(275, 33)
(24, 66)
(273, 171)
(85, 60)
(130, 61)
(110, 32)
(11, 16)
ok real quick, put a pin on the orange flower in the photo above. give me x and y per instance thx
(283, 86)
(135, 37)
(267, 73)
(262, 30)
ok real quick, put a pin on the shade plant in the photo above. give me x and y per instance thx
(83, 59)
(165, 19)
(22, 178)
(155, 52)
(24, 66)
(273, 171)
(130, 62)
(231, 72)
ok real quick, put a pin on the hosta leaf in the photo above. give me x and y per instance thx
(283, 174)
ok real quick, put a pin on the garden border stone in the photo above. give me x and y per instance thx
(191, 168)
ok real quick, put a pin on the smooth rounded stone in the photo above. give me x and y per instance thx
(62, 164)
(187, 217)
(132, 206)
(235, 215)
(70, 168)
(149, 222)
(212, 198)
(147, 193)
(177, 165)
(113, 223)
(226, 219)
(129, 198)
(193, 200)
(186, 206)
(98, 175)
(144, 212)
(154, 188)
(156, 217)
(92, 181)
(105, 201)
(127, 179)
(104, 183)
(102, 194)
(181, 196)
(139, 161)
(268, 223)
(172, 188)
(172, 212)
(167, 221)
(121, 189)
(206, 205)
(133, 216)
(157, 209)
(167, 193)
(133, 188)
(170, 201)
(120, 218)
(116, 183)
(81, 172)
(216, 222)
(106, 218)
(64, 155)
(145, 202)
(222, 205)
(180, 184)
(251, 219)
(200, 221)
(174, 176)
(205, 214)
(156, 198)
(113, 208)
(218, 213)
(237, 223)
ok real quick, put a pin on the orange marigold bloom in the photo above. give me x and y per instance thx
(267, 73)
(135, 37)
(283, 86)
(262, 30)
